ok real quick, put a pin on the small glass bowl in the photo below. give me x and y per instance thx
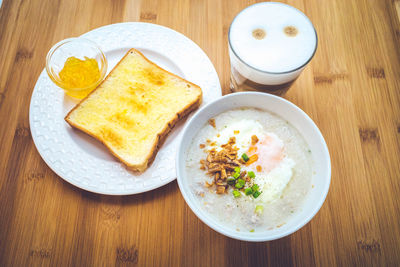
(79, 48)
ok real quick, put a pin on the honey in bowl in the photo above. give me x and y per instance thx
(78, 73)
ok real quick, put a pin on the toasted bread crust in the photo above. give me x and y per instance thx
(160, 136)
(163, 135)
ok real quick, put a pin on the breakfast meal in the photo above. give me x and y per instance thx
(134, 108)
(249, 169)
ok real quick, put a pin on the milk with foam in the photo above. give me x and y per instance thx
(270, 43)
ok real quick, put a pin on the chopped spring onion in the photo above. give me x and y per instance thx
(237, 169)
(236, 175)
(236, 193)
(248, 191)
(240, 183)
(231, 181)
(245, 157)
(259, 209)
(255, 187)
(251, 174)
(256, 194)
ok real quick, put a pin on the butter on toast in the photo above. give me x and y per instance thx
(134, 108)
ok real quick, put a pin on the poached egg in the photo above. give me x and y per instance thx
(272, 168)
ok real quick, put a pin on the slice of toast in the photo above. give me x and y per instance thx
(134, 108)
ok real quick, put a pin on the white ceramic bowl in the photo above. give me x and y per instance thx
(286, 110)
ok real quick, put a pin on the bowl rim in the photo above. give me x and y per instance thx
(103, 68)
(238, 235)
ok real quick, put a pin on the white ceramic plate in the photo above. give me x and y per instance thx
(85, 162)
(297, 118)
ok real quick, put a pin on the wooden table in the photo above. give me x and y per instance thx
(351, 90)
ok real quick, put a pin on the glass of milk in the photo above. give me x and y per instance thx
(269, 45)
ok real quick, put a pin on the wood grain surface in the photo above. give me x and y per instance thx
(351, 89)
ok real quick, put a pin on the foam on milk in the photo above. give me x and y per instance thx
(280, 49)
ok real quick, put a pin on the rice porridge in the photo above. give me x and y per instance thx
(249, 169)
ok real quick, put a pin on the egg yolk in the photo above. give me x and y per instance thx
(268, 153)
